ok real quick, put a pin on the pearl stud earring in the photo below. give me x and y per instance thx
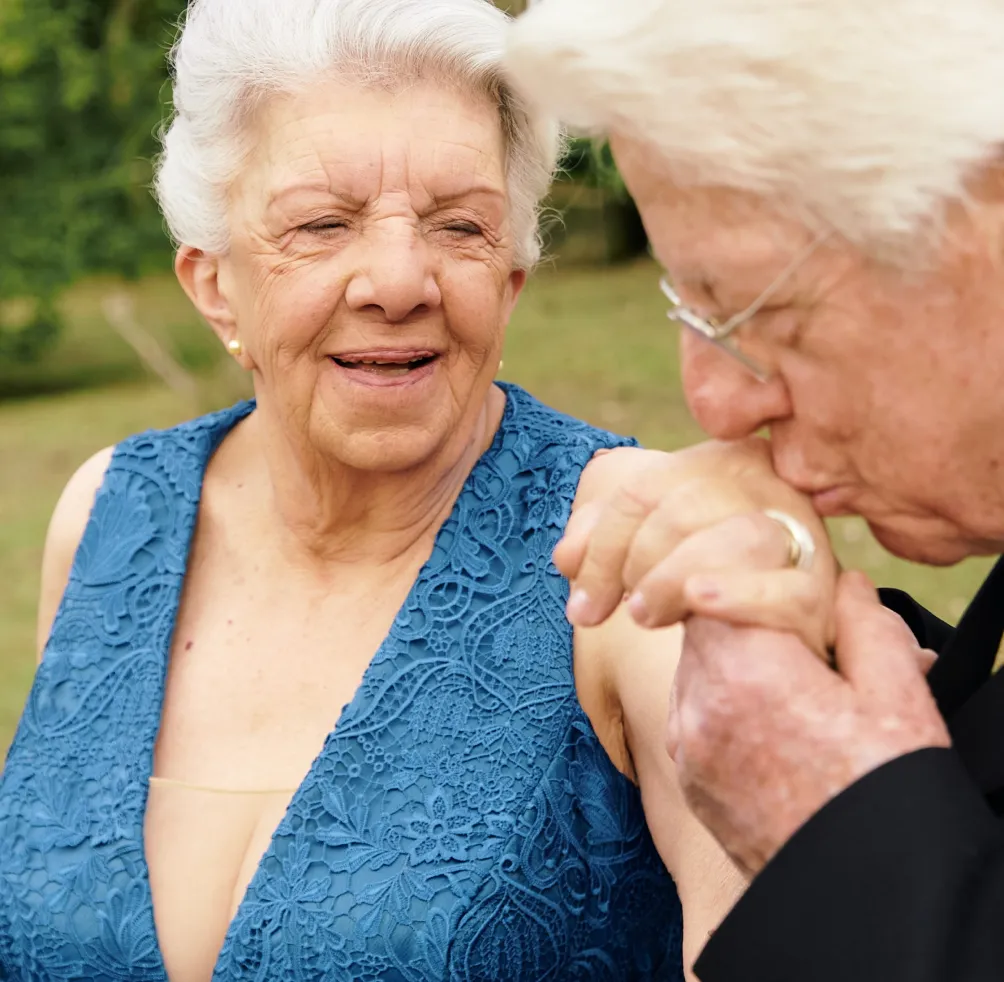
(236, 347)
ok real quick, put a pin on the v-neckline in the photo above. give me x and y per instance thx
(144, 764)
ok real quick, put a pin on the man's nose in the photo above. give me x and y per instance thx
(396, 275)
(725, 398)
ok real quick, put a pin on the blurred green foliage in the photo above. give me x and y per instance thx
(591, 162)
(82, 87)
(83, 90)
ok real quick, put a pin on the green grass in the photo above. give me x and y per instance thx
(88, 353)
(594, 343)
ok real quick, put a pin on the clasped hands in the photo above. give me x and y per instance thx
(763, 729)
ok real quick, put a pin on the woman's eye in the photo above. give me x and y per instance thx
(463, 228)
(328, 225)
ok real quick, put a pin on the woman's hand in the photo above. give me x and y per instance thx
(685, 533)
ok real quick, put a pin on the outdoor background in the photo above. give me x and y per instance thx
(97, 341)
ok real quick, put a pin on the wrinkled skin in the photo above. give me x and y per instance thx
(763, 736)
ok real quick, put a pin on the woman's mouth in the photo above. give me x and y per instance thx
(385, 365)
(380, 368)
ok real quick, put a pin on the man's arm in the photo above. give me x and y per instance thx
(900, 878)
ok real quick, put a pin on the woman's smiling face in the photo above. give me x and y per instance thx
(370, 276)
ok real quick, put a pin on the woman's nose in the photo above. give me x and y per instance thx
(396, 275)
(725, 398)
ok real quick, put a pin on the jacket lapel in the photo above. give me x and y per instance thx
(969, 697)
(978, 736)
(968, 659)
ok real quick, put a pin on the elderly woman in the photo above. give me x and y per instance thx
(825, 187)
(354, 188)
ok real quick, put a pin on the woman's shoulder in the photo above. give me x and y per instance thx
(202, 434)
(66, 529)
(77, 498)
(195, 438)
(69, 519)
(530, 415)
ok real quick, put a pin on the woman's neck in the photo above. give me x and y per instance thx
(318, 511)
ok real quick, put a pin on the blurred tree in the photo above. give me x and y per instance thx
(590, 161)
(82, 84)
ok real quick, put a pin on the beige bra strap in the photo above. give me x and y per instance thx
(170, 782)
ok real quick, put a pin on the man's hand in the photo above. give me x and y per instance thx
(763, 733)
(685, 533)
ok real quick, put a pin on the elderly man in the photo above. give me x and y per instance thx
(824, 185)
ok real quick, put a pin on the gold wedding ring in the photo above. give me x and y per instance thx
(801, 545)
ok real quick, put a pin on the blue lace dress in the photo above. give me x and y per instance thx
(462, 821)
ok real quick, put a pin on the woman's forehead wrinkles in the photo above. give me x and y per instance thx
(290, 194)
(354, 183)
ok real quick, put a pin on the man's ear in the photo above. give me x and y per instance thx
(200, 276)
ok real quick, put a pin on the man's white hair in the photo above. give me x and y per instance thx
(866, 116)
(232, 55)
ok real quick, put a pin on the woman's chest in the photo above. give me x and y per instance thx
(443, 801)
(260, 668)
(460, 821)
(256, 681)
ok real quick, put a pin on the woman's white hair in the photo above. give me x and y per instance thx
(866, 116)
(233, 54)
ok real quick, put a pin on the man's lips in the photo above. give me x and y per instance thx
(833, 502)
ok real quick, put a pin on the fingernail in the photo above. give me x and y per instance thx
(638, 609)
(577, 609)
(703, 590)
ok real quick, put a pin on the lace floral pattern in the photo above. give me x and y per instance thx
(462, 821)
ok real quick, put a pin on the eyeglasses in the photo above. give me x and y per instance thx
(722, 334)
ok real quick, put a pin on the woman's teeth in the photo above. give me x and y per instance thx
(392, 368)
(384, 368)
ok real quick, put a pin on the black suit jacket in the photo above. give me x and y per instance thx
(901, 877)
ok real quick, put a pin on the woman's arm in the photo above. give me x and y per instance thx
(624, 675)
(66, 529)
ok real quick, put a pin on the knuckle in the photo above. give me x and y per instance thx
(605, 553)
(705, 724)
(664, 608)
(807, 593)
(890, 625)
(635, 499)
(667, 523)
(650, 566)
(601, 573)
(692, 502)
(755, 592)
